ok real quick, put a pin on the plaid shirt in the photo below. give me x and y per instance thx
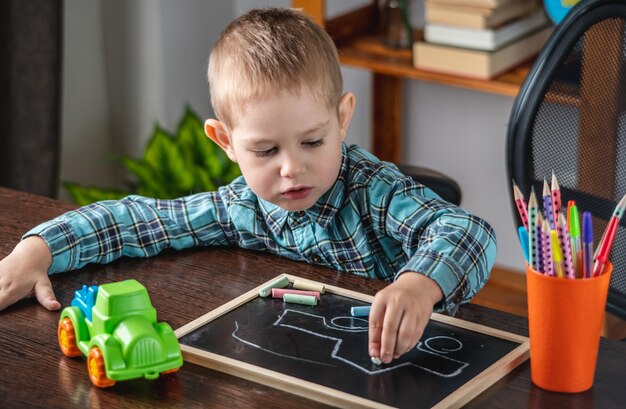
(373, 222)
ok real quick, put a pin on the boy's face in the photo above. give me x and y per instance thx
(288, 146)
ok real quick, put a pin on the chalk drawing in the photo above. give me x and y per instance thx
(315, 325)
(234, 334)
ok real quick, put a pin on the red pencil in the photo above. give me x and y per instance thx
(520, 202)
(556, 199)
(605, 246)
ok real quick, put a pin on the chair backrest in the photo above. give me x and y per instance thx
(446, 187)
(569, 117)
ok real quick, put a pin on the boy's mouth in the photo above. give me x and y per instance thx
(297, 193)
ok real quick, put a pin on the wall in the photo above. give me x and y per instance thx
(85, 129)
(129, 65)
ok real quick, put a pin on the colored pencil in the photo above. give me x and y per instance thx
(566, 248)
(520, 202)
(617, 212)
(587, 244)
(546, 249)
(557, 256)
(556, 199)
(539, 239)
(547, 204)
(532, 217)
(605, 245)
(523, 239)
(573, 222)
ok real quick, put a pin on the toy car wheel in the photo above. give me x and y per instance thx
(97, 369)
(67, 338)
(170, 371)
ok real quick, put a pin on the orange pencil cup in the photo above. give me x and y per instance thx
(565, 319)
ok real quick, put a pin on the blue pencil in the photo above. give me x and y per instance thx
(587, 244)
(523, 240)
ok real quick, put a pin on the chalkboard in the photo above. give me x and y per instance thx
(320, 352)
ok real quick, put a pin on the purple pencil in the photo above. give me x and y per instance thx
(547, 204)
(533, 210)
(566, 247)
(539, 238)
(546, 249)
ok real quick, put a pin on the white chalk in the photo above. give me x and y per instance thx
(376, 361)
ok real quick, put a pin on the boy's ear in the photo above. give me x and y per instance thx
(346, 109)
(216, 131)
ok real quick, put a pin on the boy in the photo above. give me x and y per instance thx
(276, 88)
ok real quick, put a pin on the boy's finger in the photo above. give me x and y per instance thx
(45, 295)
(406, 333)
(410, 331)
(377, 312)
(389, 334)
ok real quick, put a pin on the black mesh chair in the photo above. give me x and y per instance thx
(570, 117)
(443, 185)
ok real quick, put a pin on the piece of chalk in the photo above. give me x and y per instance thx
(376, 361)
(307, 285)
(360, 311)
(279, 292)
(278, 283)
(300, 299)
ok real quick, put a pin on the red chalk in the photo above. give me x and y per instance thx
(279, 292)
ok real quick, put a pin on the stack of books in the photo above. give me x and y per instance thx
(480, 38)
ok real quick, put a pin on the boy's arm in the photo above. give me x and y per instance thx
(441, 241)
(25, 271)
(450, 253)
(134, 226)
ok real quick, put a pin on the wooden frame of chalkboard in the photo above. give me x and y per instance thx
(320, 352)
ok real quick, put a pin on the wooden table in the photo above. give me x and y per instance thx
(183, 286)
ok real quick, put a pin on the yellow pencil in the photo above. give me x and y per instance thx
(557, 255)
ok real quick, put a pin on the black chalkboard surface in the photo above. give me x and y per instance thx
(321, 352)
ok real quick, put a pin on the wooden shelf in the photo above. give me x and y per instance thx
(370, 53)
(354, 33)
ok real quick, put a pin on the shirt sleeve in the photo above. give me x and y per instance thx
(135, 226)
(442, 241)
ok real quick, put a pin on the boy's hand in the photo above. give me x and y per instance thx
(25, 271)
(399, 315)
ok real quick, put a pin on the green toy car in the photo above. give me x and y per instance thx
(115, 327)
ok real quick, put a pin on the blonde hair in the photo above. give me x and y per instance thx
(268, 51)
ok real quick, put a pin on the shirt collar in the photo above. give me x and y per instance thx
(322, 212)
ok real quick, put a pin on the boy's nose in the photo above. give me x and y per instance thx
(291, 166)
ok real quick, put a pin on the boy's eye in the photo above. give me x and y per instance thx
(265, 153)
(314, 144)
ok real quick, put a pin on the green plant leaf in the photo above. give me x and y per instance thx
(84, 195)
(164, 157)
(203, 181)
(147, 179)
(198, 149)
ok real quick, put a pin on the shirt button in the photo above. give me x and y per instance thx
(300, 213)
(315, 259)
